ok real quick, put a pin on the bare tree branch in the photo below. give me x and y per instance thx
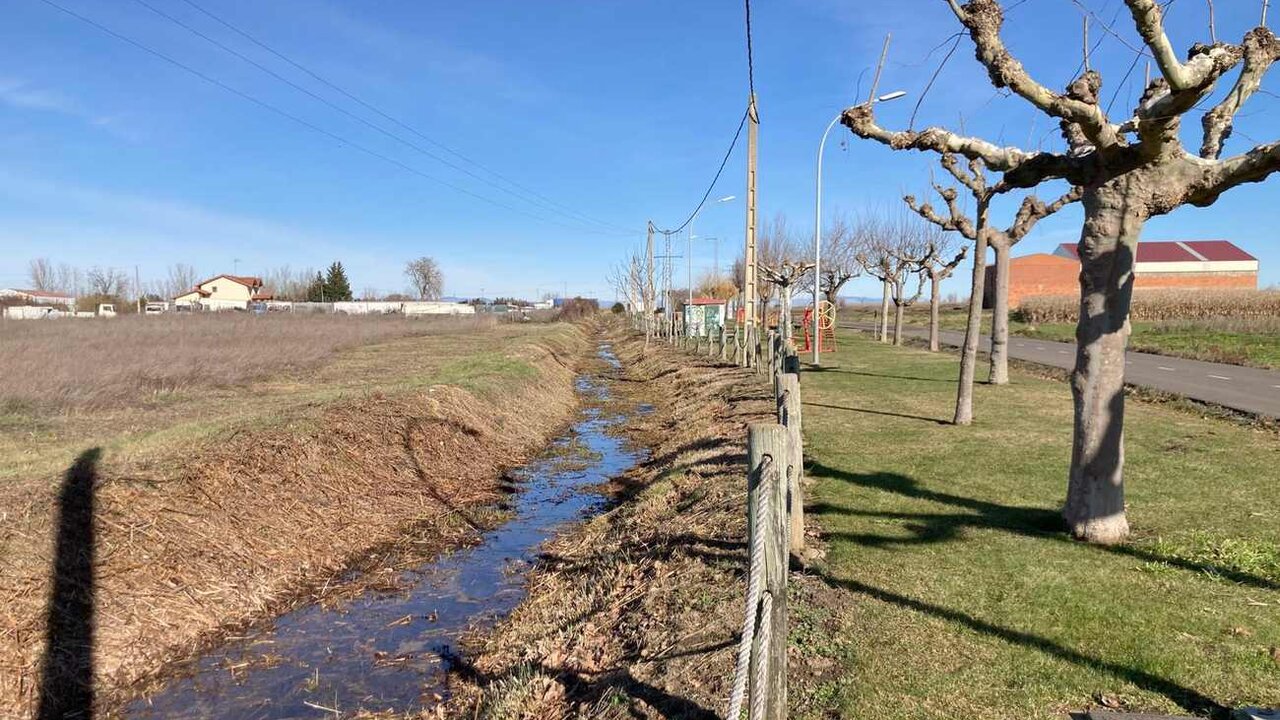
(983, 18)
(957, 222)
(975, 179)
(1022, 169)
(1033, 211)
(1203, 68)
(1261, 51)
(1250, 167)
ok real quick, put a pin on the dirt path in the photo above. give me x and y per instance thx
(636, 613)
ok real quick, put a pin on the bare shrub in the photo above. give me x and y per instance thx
(1161, 305)
(68, 364)
(578, 308)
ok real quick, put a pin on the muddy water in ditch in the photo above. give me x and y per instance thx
(390, 650)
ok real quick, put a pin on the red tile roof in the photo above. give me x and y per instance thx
(1218, 250)
(1174, 251)
(246, 280)
(45, 294)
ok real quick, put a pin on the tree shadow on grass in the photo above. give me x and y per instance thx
(66, 680)
(1184, 697)
(868, 411)
(886, 376)
(1038, 523)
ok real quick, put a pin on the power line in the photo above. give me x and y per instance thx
(368, 106)
(333, 105)
(714, 180)
(751, 71)
(296, 119)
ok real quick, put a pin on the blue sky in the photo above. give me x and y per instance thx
(619, 111)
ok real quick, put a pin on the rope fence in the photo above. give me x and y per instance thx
(775, 506)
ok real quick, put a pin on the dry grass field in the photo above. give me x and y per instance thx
(1165, 305)
(1233, 327)
(79, 364)
(308, 441)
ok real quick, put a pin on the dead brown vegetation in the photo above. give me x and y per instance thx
(95, 363)
(187, 547)
(1159, 305)
(636, 613)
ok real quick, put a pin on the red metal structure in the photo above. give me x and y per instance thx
(826, 327)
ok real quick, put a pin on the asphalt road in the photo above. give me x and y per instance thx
(1240, 388)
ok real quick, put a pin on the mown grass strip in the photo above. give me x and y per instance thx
(952, 590)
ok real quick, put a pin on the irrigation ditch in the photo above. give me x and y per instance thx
(602, 578)
(387, 645)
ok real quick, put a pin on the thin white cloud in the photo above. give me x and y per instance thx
(22, 95)
(25, 95)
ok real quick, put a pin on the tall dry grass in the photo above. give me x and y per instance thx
(1165, 305)
(95, 363)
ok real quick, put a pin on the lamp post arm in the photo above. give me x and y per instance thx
(817, 238)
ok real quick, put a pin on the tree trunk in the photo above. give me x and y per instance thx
(1108, 244)
(884, 313)
(973, 327)
(784, 315)
(832, 294)
(1000, 318)
(933, 312)
(897, 314)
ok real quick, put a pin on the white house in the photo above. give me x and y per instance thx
(224, 292)
(37, 297)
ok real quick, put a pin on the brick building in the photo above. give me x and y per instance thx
(1191, 264)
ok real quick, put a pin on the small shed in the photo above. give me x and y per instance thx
(703, 317)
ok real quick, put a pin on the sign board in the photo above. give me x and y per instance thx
(704, 320)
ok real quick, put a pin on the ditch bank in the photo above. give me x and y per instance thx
(156, 562)
(386, 646)
(636, 612)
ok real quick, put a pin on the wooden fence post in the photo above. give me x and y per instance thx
(789, 415)
(768, 440)
(773, 346)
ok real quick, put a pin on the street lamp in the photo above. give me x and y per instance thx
(689, 254)
(817, 225)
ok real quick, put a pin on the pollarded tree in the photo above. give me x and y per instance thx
(786, 275)
(840, 246)
(979, 230)
(875, 260)
(898, 287)
(894, 251)
(781, 264)
(775, 245)
(937, 268)
(1130, 172)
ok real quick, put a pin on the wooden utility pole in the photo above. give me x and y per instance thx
(749, 266)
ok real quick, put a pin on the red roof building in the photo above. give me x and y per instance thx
(1173, 264)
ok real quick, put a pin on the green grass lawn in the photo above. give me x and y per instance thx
(950, 589)
(1237, 342)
